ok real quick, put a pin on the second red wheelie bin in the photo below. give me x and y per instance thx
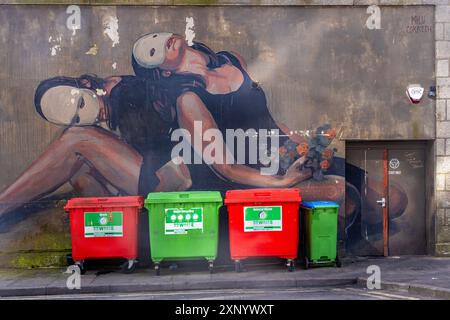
(263, 223)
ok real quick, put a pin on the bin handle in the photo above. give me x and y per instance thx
(184, 195)
(262, 194)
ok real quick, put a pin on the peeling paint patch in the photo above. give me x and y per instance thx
(111, 25)
(114, 65)
(56, 47)
(93, 50)
(189, 31)
(74, 32)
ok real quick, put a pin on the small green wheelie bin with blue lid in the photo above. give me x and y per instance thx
(183, 226)
(320, 220)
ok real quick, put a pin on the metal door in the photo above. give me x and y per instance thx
(407, 201)
(385, 199)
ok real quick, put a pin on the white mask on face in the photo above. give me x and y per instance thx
(66, 105)
(150, 50)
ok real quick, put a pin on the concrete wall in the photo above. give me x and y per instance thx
(306, 59)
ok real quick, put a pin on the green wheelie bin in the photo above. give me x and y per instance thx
(183, 226)
(319, 219)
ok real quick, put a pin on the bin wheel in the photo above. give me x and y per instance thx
(338, 262)
(237, 266)
(291, 265)
(306, 263)
(82, 266)
(157, 269)
(70, 260)
(128, 266)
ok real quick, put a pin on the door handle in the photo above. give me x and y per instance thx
(382, 202)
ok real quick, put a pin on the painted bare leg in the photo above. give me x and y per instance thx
(116, 161)
(88, 183)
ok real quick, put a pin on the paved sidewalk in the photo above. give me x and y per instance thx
(429, 276)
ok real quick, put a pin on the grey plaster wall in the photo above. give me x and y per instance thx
(316, 64)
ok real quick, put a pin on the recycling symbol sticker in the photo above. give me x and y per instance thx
(263, 218)
(394, 163)
(262, 215)
(179, 221)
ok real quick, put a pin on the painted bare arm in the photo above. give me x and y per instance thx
(190, 109)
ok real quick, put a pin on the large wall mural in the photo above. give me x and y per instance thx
(136, 100)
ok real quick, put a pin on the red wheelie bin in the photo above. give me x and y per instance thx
(263, 223)
(104, 228)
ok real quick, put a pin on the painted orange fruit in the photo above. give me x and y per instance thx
(327, 154)
(325, 164)
(302, 149)
(330, 134)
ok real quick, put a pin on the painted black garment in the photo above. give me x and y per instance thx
(131, 110)
(245, 108)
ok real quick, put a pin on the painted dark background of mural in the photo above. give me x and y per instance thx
(306, 59)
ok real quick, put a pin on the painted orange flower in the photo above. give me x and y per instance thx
(327, 154)
(302, 149)
(282, 150)
(325, 164)
(330, 134)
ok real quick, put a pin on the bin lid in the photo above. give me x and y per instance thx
(104, 202)
(185, 196)
(263, 195)
(320, 204)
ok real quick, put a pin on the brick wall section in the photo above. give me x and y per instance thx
(442, 34)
